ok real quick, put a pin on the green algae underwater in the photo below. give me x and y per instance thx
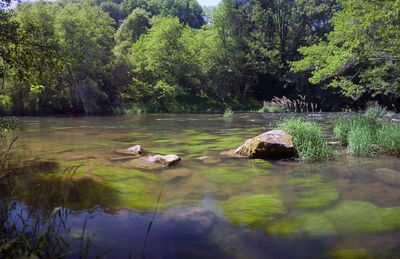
(208, 205)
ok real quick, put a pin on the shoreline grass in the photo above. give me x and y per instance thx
(368, 134)
(308, 138)
(388, 137)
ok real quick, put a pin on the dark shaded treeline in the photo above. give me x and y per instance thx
(87, 57)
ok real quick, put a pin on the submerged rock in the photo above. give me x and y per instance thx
(312, 192)
(275, 144)
(120, 159)
(136, 150)
(79, 157)
(152, 162)
(253, 210)
(388, 176)
(209, 160)
(348, 217)
(190, 220)
(175, 174)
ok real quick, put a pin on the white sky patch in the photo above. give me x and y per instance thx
(209, 2)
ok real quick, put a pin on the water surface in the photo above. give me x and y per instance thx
(211, 206)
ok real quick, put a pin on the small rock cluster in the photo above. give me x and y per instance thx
(275, 144)
(144, 162)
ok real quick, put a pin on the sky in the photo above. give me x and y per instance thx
(209, 2)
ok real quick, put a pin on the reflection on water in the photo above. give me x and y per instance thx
(211, 206)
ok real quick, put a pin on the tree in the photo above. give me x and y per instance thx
(167, 55)
(85, 34)
(230, 67)
(114, 10)
(361, 54)
(32, 58)
(189, 12)
(137, 23)
(277, 29)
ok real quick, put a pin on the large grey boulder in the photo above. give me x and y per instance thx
(274, 144)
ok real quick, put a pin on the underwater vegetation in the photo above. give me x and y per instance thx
(348, 217)
(350, 253)
(227, 175)
(312, 192)
(253, 210)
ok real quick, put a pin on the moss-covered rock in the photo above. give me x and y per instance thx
(356, 217)
(312, 192)
(311, 225)
(363, 217)
(275, 144)
(253, 210)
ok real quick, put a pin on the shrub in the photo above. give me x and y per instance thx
(308, 139)
(388, 137)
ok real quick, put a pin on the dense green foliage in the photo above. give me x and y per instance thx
(308, 139)
(361, 54)
(98, 56)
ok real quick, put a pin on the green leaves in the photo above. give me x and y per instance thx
(361, 54)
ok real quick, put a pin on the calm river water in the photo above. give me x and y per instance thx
(210, 206)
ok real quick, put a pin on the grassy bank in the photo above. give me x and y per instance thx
(368, 134)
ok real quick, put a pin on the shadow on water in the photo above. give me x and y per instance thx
(44, 185)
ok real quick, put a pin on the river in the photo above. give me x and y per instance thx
(208, 205)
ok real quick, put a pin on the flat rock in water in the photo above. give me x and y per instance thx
(388, 176)
(152, 162)
(274, 144)
(165, 160)
(136, 150)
